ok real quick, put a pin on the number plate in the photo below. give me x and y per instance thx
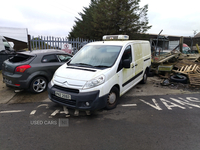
(62, 95)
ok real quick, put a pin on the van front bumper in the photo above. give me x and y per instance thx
(82, 101)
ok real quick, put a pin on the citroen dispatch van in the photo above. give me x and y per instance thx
(100, 73)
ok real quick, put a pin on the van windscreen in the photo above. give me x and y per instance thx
(96, 56)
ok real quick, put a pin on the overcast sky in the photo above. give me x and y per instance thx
(56, 17)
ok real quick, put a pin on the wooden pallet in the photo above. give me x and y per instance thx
(184, 62)
(194, 79)
(197, 70)
(188, 69)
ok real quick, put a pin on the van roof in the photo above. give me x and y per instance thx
(118, 43)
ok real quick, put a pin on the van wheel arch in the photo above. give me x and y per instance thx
(113, 97)
(145, 75)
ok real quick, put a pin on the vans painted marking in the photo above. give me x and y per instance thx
(127, 105)
(188, 102)
(11, 111)
(155, 105)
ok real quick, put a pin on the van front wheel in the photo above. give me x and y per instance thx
(112, 98)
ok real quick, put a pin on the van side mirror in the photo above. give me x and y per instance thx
(126, 63)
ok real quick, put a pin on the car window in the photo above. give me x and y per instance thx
(64, 58)
(127, 54)
(49, 58)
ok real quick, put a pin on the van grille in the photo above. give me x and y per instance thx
(65, 101)
(66, 89)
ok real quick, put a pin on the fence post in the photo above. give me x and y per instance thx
(47, 42)
(38, 42)
(29, 43)
(42, 42)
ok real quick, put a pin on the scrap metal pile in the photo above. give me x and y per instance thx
(182, 69)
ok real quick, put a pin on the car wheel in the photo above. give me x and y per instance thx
(38, 85)
(144, 80)
(112, 99)
(179, 78)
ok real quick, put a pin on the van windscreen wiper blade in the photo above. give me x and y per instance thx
(82, 64)
(102, 66)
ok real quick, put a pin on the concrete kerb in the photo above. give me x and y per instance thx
(6, 93)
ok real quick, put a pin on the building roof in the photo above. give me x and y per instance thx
(19, 34)
(197, 35)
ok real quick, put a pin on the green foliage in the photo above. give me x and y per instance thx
(108, 17)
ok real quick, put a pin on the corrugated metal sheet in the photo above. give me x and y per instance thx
(197, 35)
(19, 34)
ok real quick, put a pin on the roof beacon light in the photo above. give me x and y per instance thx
(115, 37)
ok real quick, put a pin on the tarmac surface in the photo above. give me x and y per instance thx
(150, 116)
(8, 95)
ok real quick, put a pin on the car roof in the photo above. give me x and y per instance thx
(43, 52)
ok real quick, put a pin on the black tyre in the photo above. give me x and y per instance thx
(112, 99)
(179, 78)
(150, 74)
(144, 80)
(38, 85)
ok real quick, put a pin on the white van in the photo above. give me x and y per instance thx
(101, 72)
(5, 47)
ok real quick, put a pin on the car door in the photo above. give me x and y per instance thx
(126, 75)
(53, 61)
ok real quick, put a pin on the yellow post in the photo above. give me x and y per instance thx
(198, 48)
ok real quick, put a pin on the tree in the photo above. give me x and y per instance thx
(107, 17)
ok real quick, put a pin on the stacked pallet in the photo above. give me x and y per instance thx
(190, 69)
(185, 62)
(194, 79)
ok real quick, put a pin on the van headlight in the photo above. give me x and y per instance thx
(94, 82)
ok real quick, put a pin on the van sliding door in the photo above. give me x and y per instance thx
(138, 57)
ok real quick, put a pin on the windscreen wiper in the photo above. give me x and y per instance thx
(101, 66)
(82, 64)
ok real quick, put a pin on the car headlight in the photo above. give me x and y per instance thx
(94, 82)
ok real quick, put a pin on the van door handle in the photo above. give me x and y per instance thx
(136, 64)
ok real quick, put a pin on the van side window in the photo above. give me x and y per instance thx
(127, 55)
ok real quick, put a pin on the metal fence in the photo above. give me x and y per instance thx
(50, 42)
